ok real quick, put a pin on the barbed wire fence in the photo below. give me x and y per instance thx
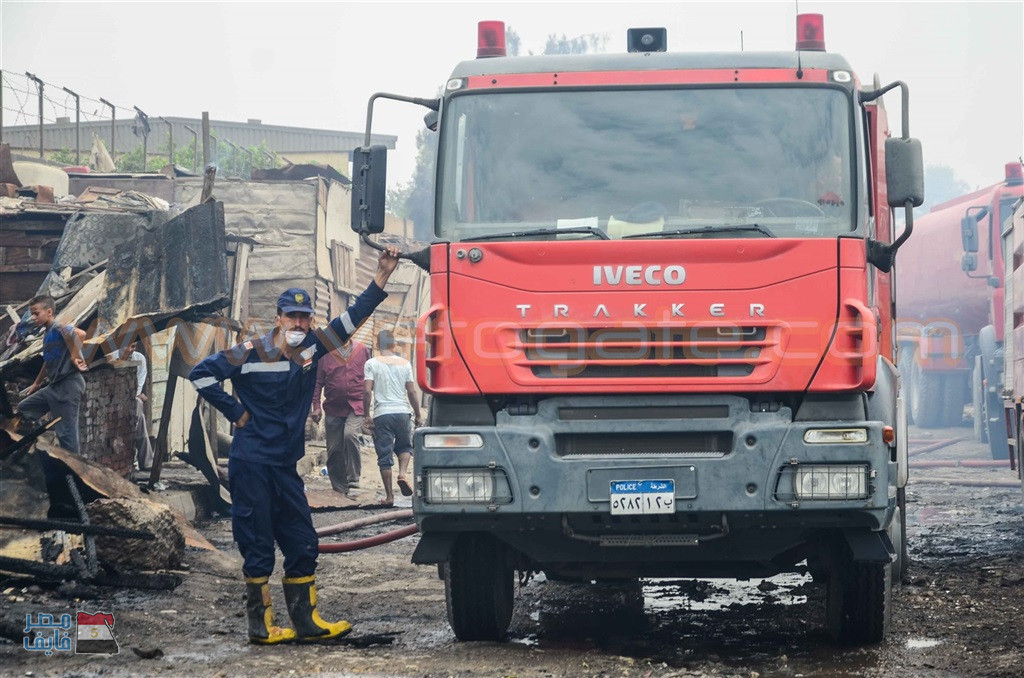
(25, 107)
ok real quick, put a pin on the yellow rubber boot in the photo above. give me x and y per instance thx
(260, 610)
(300, 597)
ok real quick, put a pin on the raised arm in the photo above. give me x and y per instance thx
(344, 326)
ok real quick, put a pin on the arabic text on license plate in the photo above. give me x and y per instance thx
(637, 497)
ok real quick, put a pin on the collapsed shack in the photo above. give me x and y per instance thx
(146, 279)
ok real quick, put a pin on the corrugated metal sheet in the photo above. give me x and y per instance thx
(182, 266)
(281, 214)
(278, 138)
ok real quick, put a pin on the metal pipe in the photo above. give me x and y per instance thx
(170, 141)
(113, 125)
(970, 483)
(364, 522)
(935, 445)
(270, 157)
(206, 138)
(234, 157)
(78, 126)
(145, 138)
(358, 544)
(432, 104)
(39, 86)
(215, 154)
(195, 149)
(959, 463)
(252, 159)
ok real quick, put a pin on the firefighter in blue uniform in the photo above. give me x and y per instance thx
(273, 378)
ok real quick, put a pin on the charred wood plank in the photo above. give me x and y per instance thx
(76, 528)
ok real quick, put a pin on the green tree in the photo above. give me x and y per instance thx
(65, 156)
(581, 44)
(512, 41)
(229, 162)
(415, 199)
(941, 184)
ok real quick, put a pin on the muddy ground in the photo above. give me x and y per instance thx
(960, 613)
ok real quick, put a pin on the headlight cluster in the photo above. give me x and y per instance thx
(842, 482)
(466, 486)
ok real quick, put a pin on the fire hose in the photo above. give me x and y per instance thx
(931, 447)
(376, 540)
(957, 463)
(969, 482)
(364, 522)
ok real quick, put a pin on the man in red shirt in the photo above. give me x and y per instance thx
(339, 376)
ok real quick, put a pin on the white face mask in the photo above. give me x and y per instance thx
(294, 337)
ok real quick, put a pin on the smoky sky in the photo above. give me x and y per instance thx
(315, 64)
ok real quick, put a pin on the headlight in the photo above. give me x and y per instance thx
(835, 436)
(467, 486)
(453, 440)
(835, 482)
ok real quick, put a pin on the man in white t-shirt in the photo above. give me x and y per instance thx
(143, 448)
(388, 385)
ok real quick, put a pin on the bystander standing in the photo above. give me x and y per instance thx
(339, 376)
(389, 386)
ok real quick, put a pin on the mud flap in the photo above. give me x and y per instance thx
(433, 548)
(870, 546)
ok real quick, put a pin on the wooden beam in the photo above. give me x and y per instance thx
(26, 268)
(160, 453)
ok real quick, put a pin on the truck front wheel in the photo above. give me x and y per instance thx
(478, 588)
(859, 601)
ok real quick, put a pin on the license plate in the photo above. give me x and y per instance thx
(640, 497)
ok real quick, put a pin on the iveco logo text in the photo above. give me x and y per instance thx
(638, 275)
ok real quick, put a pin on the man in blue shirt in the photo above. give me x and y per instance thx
(273, 378)
(62, 367)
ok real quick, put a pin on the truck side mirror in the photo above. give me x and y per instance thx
(969, 234)
(969, 262)
(904, 172)
(369, 187)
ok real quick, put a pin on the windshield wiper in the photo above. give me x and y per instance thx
(703, 229)
(541, 231)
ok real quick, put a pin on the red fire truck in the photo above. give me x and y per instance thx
(1011, 385)
(661, 335)
(950, 329)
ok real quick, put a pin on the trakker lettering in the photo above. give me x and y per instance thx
(640, 310)
(654, 274)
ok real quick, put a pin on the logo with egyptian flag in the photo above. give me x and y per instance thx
(96, 634)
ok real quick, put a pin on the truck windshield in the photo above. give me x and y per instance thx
(694, 163)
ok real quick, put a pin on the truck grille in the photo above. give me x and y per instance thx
(631, 353)
(712, 444)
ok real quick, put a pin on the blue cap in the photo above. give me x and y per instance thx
(295, 299)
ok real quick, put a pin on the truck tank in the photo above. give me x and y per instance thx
(931, 284)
